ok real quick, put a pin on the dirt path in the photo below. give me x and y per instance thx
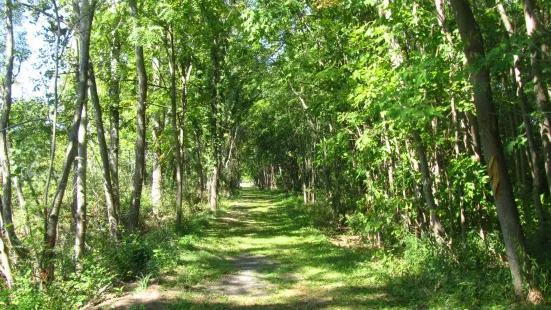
(260, 253)
(248, 281)
(244, 279)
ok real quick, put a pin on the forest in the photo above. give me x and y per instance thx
(275, 154)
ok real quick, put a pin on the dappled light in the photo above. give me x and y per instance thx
(275, 154)
(255, 255)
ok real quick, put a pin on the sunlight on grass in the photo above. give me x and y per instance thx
(296, 265)
(304, 269)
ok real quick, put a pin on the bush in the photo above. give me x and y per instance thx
(70, 291)
(131, 257)
(470, 275)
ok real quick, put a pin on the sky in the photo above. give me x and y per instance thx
(24, 81)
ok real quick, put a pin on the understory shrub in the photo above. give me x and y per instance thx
(67, 291)
(107, 264)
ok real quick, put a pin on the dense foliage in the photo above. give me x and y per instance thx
(421, 126)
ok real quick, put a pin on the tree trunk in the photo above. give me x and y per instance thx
(185, 168)
(518, 151)
(175, 129)
(214, 125)
(5, 259)
(511, 228)
(456, 127)
(4, 143)
(537, 180)
(158, 121)
(112, 216)
(522, 156)
(214, 188)
(114, 103)
(539, 49)
(114, 158)
(475, 136)
(435, 224)
(135, 200)
(85, 18)
(80, 211)
(56, 104)
(22, 203)
(198, 154)
(75, 179)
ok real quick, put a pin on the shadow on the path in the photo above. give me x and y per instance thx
(352, 297)
(280, 245)
(262, 217)
(248, 281)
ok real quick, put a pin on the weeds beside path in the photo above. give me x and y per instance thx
(258, 253)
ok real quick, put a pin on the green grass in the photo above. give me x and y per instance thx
(308, 271)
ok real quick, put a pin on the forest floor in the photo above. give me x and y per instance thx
(259, 253)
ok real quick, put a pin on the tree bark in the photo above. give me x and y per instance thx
(175, 128)
(135, 200)
(198, 154)
(112, 215)
(85, 18)
(114, 103)
(5, 259)
(537, 180)
(158, 121)
(56, 103)
(435, 224)
(182, 123)
(80, 211)
(214, 125)
(539, 49)
(475, 136)
(7, 217)
(511, 228)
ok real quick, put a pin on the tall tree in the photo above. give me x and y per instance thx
(214, 106)
(537, 179)
(112, 215)
(135, 200)
(81, 201)
(114, 115)
(84, 16)
(53, 139)
(6, 209)
(171, 54)
(507, 211)
(539, 51)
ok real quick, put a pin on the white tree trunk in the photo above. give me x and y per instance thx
(156, 182)
(80, 212)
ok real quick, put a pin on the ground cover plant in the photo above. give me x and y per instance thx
(294, 264)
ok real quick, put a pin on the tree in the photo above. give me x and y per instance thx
(85, 18)
(6, 209)
(135, 200)
(81, 203)
(539, 50)
(536, 174)
(171, 55)
(112, 215)
(502, 188)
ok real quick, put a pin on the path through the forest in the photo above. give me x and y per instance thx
(260, 253)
